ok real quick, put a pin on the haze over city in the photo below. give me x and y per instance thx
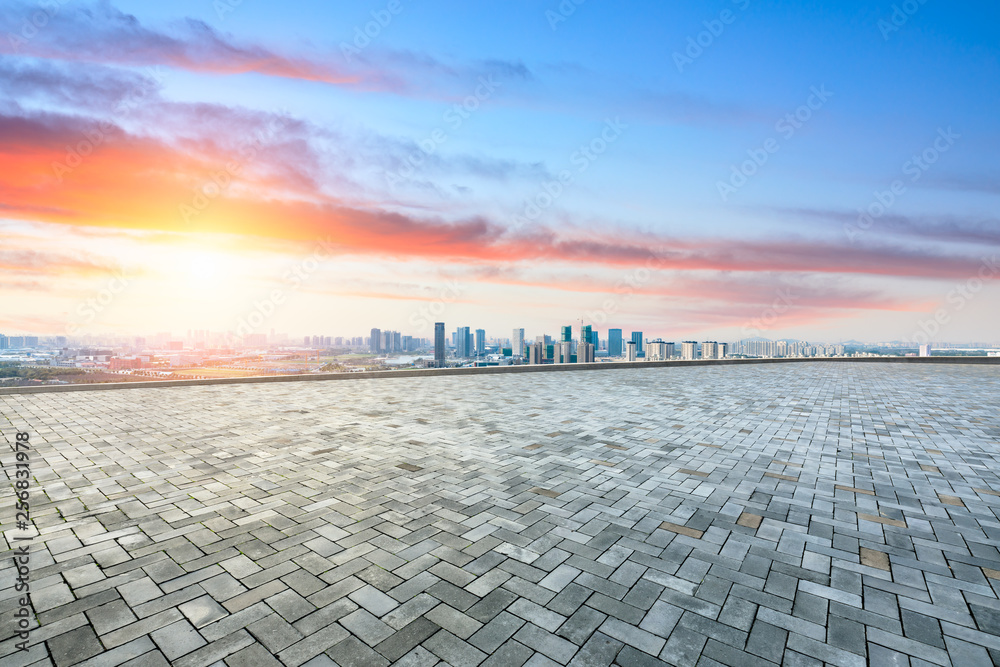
(707, 170)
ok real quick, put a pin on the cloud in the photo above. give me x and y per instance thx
(961, 229)
(100, 33)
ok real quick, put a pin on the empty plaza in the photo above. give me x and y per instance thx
(760, 514)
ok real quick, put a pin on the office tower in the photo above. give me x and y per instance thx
(567, 334)
(463, 345)
(637, 339)
(585, 330)
(656, 350)
(535, 353)
(517, 343)
(4, 342)
(630, 355)
(376, 341)
(439, 344)
(480, 342)
(710, 350)
(397, 341)
(689, 350)
(595, 340)
(585, 353)
(615, 343)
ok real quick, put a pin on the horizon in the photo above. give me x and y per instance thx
(722, 171)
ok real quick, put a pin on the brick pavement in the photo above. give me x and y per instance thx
(744, 515)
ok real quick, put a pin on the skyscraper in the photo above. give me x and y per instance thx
(630, 353)
(585, 353)
(463, 343)
(375, 343)
(615, 343)
(480, 342)
(517, 343)
(439, 344)
(567, 334)
(585, 331)
(637, 339)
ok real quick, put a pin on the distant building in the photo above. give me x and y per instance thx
(710, 350)
(637, 339)
(925, 350)
(375, 345)
(689, 349)
(480, 342)
(630, 355)
(565, 355)
(658, 350)
(723, 350)
(536, 352)
(439, 344)
(615, 343)
(463, 343)
(585, 353)
(567, 334)
(31, 342)
(4, 342)
(124, 363)
(517, 343)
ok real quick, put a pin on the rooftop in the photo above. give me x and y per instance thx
(742, 514)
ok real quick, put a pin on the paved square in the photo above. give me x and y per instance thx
(788, 514)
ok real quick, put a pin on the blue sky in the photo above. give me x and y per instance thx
(873, 84)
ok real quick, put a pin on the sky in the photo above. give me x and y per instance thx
(719, 169)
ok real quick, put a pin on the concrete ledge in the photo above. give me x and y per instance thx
(489, 370)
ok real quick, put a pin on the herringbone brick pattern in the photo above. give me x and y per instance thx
(759, 515)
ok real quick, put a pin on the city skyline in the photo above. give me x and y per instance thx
(229, 166)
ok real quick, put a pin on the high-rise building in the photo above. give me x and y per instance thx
(517, 343)
(925, 350)
(637, 339)
(710, 350)
(658, 350)
(439, 344)
(723, 350)
(480, 342)
(689, 349)
(4, 342)
(595, 340)
(615, 343)
(567, 334)
(585, 333)
(565, 355)
(31, 341)
(536, 352)
(630, 354)
(463, 343)
(375, 345)
(585, 353)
